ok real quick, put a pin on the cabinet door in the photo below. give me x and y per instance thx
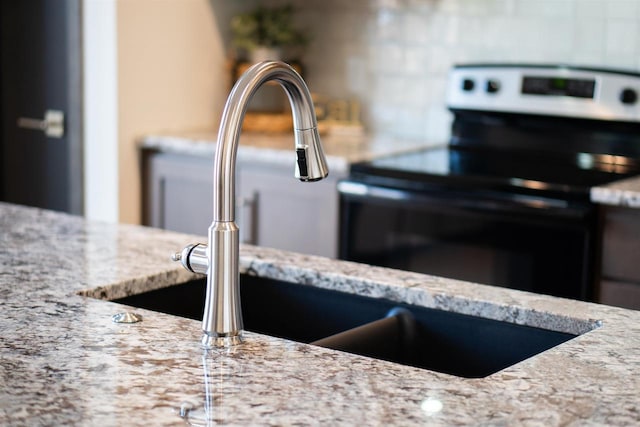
(179, 193)
(281, 212)
(620, 282)
(621, 244)
(621, 294)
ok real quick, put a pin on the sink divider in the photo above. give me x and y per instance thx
(388, 338)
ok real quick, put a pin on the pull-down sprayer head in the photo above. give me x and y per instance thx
(311, 164)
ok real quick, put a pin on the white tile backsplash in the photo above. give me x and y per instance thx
(589, 36)
(622, 9)
(590, 8)
(621, 37)
(417, 29)
(545, 8)
(394, 55)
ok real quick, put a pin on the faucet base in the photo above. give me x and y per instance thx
(217, 341)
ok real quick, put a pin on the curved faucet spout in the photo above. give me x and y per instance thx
(222, 322)
(310, 162)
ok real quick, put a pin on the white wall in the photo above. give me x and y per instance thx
(100, 104)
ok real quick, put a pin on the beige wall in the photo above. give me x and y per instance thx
(172, 75)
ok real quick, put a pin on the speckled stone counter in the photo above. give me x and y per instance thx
(341, 151)
(64, 362)
(621, 193)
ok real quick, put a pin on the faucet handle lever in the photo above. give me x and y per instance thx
(193, 258)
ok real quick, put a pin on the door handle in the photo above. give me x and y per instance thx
(52, 125)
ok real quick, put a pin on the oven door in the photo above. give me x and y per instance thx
(522, 242)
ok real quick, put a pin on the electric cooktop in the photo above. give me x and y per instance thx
(566, 174)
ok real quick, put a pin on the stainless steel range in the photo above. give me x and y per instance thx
(506, 202)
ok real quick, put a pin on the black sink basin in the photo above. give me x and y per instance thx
(452, 343)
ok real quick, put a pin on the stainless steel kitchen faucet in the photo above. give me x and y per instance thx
(222, 322)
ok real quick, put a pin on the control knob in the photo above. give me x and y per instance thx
(628, 96)
(493, 86)
(468, 85)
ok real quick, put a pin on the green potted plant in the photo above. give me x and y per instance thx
(263, 32)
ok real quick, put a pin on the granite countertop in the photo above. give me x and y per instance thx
(64, 362)
(341, 151)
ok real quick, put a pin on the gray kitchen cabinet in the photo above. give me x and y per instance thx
(273, 208)
(620, 281)
(276, 210)
(178, 192)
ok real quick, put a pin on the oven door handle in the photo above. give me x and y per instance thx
(469, 201)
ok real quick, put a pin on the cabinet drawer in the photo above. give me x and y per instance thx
(620, 294)
(621, 244)
(179, 193)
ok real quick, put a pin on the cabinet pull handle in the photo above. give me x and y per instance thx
(248, 206)
(52, 125)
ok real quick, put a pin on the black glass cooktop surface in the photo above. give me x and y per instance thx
(504, 170)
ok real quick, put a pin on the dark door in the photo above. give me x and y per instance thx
(41, 77)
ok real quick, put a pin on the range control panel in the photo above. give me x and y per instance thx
(557, 86)
(546, 90)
